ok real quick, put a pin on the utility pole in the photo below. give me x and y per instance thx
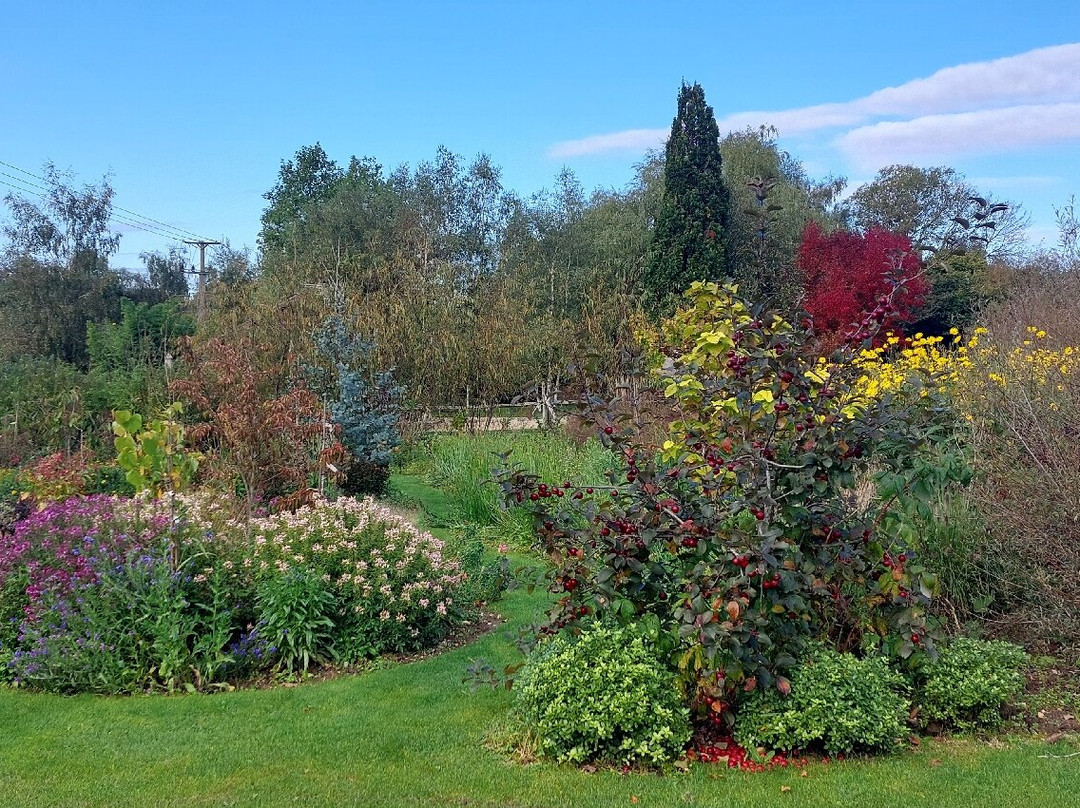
(200, 294)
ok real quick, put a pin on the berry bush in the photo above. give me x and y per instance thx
(740, 539)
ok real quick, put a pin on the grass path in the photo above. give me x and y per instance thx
(412, 735)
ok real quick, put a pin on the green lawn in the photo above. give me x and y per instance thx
(412, 735)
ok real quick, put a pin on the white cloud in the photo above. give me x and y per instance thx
(1043, 81)
(794, 121)
(632, 139)
(1037, 76)
(965, 133)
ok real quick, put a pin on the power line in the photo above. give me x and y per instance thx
(113, 217)
(41, 191)
(149, 228)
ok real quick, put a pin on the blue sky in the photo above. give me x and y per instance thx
(191, 107)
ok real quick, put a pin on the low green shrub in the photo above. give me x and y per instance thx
(365, 478)
(976, 575)
(295, 611)
(837, 701)
(12, 507)
(971, 682)
(488, 576)
(13, 603)
(603, 696)
(107, 478)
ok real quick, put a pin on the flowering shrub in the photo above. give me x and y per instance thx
(65, 545)
(740, 541)
(1017, 393)
(899, 361)
(1040, 368)
(92, 599)
(1025, 419)
(394, 585)
(249, 653)
(138, 626)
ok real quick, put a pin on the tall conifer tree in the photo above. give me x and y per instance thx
(690, 242)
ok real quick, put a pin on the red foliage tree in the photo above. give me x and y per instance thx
(258, 424)
(847, 276)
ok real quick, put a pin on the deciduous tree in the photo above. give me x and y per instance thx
(54, 274)
(924, 203)
(773, 199)
(845, 274)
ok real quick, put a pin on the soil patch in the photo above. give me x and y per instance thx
(1054, 692)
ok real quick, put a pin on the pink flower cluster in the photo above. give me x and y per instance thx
(65, 545)
(374, 557)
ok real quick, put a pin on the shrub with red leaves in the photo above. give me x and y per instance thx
(845, 275)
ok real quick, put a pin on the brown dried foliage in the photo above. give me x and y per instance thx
(1027, 459)
(260, 425)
